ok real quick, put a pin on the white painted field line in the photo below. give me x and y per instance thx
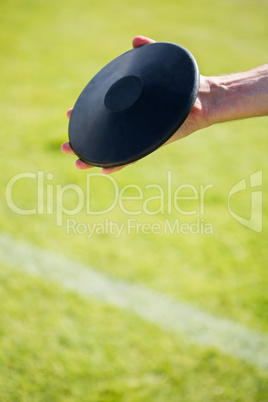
(195, 324)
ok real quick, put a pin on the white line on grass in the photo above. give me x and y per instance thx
(195, 324)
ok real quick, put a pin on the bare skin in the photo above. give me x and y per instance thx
(219, 99)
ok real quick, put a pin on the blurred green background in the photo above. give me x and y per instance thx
(58, 346)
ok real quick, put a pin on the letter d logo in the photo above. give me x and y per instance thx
(255, 220)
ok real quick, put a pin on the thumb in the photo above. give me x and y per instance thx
(141, 40)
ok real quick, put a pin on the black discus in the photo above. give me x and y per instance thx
(134, 104)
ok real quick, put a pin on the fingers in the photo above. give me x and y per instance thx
(141, 40)
(69, 112)
(82, 165)
(66, 148)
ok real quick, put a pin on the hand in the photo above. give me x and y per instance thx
(195, 121)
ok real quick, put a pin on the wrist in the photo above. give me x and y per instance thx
(238, 96)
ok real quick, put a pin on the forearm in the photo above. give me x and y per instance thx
(238, 96)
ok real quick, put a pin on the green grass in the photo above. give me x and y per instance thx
(56, 346)
(60, 347)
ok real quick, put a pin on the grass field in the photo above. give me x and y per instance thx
(55, 343)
